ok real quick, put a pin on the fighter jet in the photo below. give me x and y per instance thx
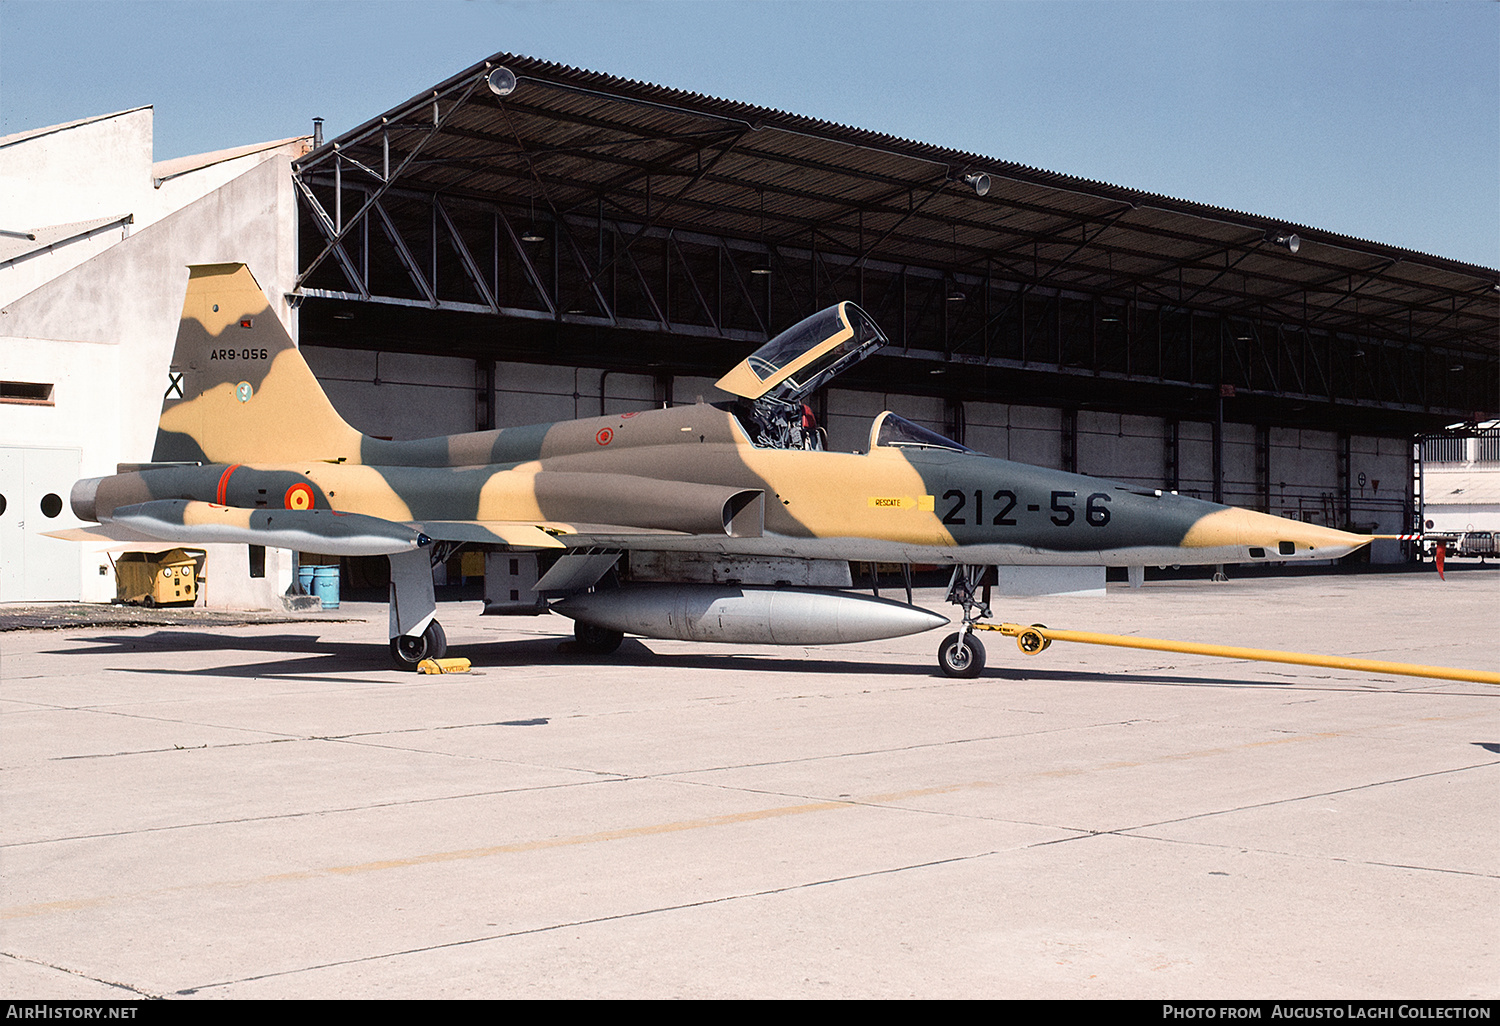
(726, 521)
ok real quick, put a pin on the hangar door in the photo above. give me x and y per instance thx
(34, 488)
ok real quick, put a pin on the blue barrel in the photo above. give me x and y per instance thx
(305, 578)
(326, 585)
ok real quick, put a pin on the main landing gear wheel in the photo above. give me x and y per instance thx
(408, 650)
(596, 640)
(961, 655)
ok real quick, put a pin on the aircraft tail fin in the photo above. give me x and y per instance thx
(238, 389)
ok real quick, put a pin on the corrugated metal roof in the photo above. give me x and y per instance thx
(568, 138)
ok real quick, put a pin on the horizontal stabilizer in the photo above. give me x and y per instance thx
(117, 535)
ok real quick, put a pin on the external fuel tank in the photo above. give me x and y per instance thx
(778, 616)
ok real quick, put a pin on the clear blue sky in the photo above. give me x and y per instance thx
(1377, 120)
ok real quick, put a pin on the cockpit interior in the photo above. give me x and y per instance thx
(774, 383)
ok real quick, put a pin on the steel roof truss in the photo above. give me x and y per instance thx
(404, 252)
(438, 120)
(466, 259)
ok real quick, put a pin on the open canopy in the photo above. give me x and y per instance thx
(806, 356)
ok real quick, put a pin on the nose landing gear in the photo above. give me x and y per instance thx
(961, 655)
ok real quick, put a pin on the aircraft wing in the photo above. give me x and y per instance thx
(538, 534)
(511, 533)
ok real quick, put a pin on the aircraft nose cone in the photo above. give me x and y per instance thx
(1278, 536)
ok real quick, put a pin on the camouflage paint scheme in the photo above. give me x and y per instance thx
(250, 431)
(248, 408)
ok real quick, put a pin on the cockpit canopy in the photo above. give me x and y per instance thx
(806, 356)
(896, 432)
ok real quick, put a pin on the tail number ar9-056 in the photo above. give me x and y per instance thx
(1095, 508)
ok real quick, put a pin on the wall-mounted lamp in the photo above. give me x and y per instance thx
(1286, 240)
(502, 81)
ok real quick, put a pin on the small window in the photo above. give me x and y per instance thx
(1286, 548)
(51, 505)
(26, 393)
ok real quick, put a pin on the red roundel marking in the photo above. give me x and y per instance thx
(627, 416)
(605, 436)
(299, 496)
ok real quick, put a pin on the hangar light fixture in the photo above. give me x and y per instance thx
(502, 81)
(1286, 240)
(979, 182)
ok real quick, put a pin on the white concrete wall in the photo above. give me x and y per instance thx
(103, 333)
(1380, 504)
(850, 415)
(397, 395)
(131, 295)
(537, 394)
(1461, 496)
(1120, 447)
(99, 167)
(417, 396)
(82, 417)
(1026, 434)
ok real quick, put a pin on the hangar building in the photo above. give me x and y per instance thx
(526, 242)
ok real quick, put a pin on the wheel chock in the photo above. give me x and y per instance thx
(443, 666)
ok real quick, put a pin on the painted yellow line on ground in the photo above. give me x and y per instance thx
(1202, 753)
(728, 819)
(623, 833)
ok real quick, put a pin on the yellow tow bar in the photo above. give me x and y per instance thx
(1035, 638)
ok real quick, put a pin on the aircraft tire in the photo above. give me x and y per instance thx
(596, 640)
(407, 651)
(961, 655)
